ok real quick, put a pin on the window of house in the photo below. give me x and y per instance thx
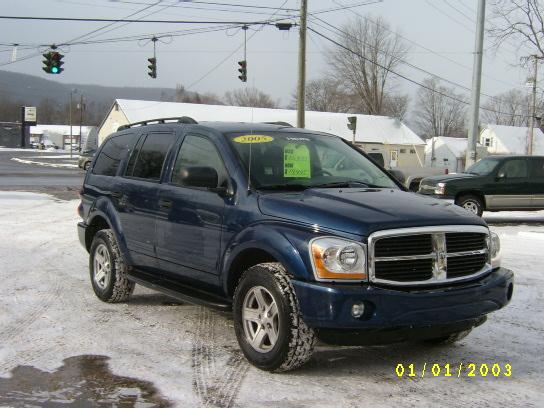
(110, 156)
(147, 161)
(403, 150)
(412, 151)
(487, 141)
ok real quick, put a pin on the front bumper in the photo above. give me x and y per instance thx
(328, 306)
(446, 198)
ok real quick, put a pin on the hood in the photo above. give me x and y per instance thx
(362, 211)
(433, 180)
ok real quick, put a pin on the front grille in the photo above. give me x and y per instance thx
(428, 255)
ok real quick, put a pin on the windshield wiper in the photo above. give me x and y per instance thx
(345, 184)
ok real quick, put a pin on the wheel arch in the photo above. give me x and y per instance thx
(475, 193)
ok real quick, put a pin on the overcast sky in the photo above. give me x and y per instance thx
(441, 35)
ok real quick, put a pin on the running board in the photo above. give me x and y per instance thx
(179, 291)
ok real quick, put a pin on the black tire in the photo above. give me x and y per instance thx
(472, 204)
(295, 341)
(86, 165)
(114, 287)
(449, 339)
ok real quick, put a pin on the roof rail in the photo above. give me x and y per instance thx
(181, 119)
(280, 123)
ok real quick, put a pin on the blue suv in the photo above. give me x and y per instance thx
(266, 220)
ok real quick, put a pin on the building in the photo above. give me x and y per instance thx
(499, 139)
(449, 153)
(59, 135)
(10, 134)
(396, 141)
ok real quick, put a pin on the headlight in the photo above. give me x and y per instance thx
(495, 250)
(440, 189)
(337, 258)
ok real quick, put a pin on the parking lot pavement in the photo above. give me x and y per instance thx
(59, 343)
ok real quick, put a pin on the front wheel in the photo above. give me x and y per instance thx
(267, 320)
(108, 270)
(472, 204)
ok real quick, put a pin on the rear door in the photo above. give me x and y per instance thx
(190, 219)
(511, 187)
(536, 181)
(139, 195)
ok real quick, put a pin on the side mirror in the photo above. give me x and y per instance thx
(199, 176)
(501, 176)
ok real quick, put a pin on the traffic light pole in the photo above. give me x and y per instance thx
(301, 91)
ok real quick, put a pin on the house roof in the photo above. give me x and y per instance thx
(514, 138)
(457, 145)
(370, 129)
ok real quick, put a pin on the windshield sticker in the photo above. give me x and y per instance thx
(296, 161)
(253, 139)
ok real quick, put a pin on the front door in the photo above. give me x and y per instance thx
(190, 219)
(510, 189)
(394, 159)
(536, 182)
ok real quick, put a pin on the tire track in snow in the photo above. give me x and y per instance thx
(214, 388)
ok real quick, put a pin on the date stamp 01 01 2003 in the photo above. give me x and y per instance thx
(453, 370)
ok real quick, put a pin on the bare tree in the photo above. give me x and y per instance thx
(182, 95)
(251, 97)
(439, 110)
(521, 21)
(511, 108)
(369, 51)
(396, 105)
(326, 95)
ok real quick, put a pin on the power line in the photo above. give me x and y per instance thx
(401, 75)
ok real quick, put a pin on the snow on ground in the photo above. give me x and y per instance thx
(48, 312)
(46, 164)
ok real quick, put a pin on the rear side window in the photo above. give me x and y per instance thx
(147, 161)
(537, 168)
(111, 154)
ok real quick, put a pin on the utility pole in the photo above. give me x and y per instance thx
(473, 131)
(301, 93)
(70, 118)
(533, 109)
(80, 119)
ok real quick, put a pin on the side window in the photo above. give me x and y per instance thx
(149, 158)
(111, 154)
(199, 151)
(516, 168)
(537, 168)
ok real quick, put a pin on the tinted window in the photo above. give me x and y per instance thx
(199, 151)
(111, 154)
(514, 168)
(149, 159)
(483, 167)
(537, 168)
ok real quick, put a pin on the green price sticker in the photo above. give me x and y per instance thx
(296, 161)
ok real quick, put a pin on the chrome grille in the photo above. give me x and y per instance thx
(428, 255)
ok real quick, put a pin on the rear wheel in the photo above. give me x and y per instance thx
(267, 320)
(472, 204)
(108, 270)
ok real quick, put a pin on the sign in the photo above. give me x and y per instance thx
(296, 161)
(29, 115)
(253, 139)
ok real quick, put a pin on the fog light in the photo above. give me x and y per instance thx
(357, 310)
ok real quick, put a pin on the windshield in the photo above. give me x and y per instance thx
(298, 161)
(482, 167)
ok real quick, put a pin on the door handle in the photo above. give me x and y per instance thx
(165, 203)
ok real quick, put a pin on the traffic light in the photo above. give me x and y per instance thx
(53, 62)
(242, 70)
(152, 67)
(352, 123)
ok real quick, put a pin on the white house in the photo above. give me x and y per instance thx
(449, 153)
(399, 144)
(499, 139)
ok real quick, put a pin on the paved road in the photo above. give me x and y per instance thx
(63, 182)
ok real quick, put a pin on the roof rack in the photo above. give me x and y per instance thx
(280, 123)
(182, 119)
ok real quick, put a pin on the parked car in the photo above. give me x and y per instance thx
(495, 183)
(245, 217)
(85, 158)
